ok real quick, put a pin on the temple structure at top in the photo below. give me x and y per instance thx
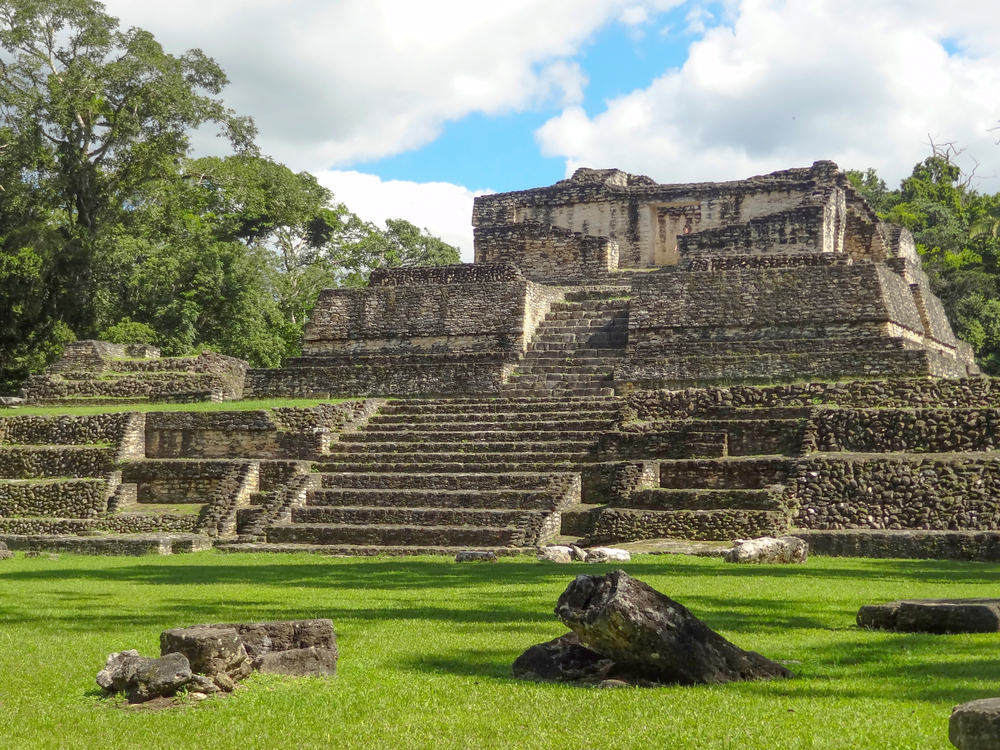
(610, 282)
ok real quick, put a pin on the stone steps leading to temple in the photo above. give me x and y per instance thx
(569, 448)
(500, 405)
(499, 500)
(387, 535)
(555, 388)
(456, 464)
(370, 550)
(434, 434)
(443, 481)
(487, 423)
(382, 515)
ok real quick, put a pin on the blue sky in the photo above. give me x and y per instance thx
(410, 109)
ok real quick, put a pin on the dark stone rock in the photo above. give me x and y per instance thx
(299, 662)
(933, 616)
(202, 684)
(563, 659)
(260, 638)
(160, 677)
(975, 725)
(653, 636)
(120, 670)
(211, 651)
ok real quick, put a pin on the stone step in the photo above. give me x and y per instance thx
(553, 365)
(664, 499)
(763, 413)
(262, 498)
(469, 482)
(578, 348)
(498, 423)
(581, 327)
(592, 305)
(570, 378)
(501, 499)
(448, 463)
(597, 340)
(627, 524)
(569, 447)
(426, 536)
(586, 316)
(550, 358)
(433, 434)
(415, 516)
(370, 550)
(502, 405)
(554, 388)
(733, 473)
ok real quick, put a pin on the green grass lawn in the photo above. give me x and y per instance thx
(248, 405)
(426, 647)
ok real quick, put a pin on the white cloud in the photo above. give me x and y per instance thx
(335, 82)
(788, 83)
(442, 208)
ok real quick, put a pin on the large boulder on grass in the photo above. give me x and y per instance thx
(120, 670)
(768, 550)
(976, 725)
(652, 636)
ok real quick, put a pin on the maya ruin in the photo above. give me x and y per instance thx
(624, 361)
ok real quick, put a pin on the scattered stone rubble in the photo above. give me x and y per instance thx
(208, 659)
(5, 554)
(558, 553)
(768, 550)
(627, 632)
(933, 616)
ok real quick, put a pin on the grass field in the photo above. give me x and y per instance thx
(426, 647)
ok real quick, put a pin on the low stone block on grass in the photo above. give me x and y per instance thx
(768, 550)
(975, 725)
(937, 616)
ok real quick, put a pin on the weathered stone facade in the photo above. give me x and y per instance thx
(96, 372)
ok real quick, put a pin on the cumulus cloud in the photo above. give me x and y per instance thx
(442, 208)
(334, 83)
(786, 84)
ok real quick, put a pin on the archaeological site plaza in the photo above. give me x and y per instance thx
(624, 361)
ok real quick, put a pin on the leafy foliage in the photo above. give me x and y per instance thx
(107, 226)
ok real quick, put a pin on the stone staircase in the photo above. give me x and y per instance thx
(439, 475)
(576, 346)
(703, 499)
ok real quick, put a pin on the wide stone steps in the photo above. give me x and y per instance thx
(395, 535)
(591, 305)
(759, 413)
(503, 499)
(597, 340)
(564, 360)
(413, 516)
(560, 369)
(429, 449)
(433, 434)
(757, 472)
(741, 499)
(474, 483)
(568, 378)
(370, 550)
(554, 388)
(450, 464)
(501, 405)
(496, 423)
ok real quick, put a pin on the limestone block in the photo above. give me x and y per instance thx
(555, 554)
(769, 550)
(933, 616)
(975, 725)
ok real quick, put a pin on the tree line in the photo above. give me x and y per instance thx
(110, 228)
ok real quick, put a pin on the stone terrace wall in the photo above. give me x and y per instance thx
(435, 330)
(549, 254)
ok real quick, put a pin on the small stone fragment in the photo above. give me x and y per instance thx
(120, 670)
(614, 684)
(768, 550)
(160, 677)
(976, 725)
(202, 684)
(474, 555)
(555, 554)
(578, 553)
(608, 554)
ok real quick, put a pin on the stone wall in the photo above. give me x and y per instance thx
(439, 330)
(547, 253)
